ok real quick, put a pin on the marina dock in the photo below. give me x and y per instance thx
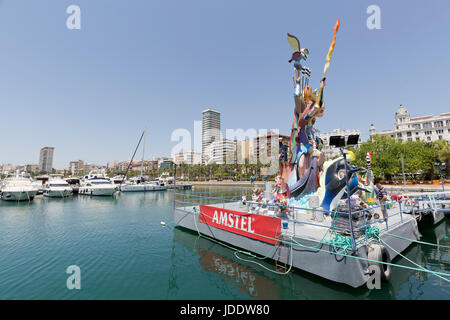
(426, 207)
(180, 186)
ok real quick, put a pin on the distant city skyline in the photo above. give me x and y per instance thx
(134, 65)
(211, 124)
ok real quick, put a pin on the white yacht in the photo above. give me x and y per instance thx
(133, 184)
(18, 187)
(74, 183)
(56, 187)
(39, 182)
(95, 184)
(169, 181)
(117, 179)
(139, 185)
(165, 178)
(156, 185)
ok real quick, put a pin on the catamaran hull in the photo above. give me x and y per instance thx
(322, 261)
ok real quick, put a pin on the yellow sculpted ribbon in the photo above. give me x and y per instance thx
(330, 51)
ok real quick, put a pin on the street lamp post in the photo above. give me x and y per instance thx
(440, 165)
(350, 216)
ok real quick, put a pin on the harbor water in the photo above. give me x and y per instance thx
(125, 252)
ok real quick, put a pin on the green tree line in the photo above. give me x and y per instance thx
(236, 172)
(419, 157)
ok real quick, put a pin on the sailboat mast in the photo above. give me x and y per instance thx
(132, 157)
(143, 151)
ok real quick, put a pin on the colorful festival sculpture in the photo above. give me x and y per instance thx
(305, 161)
(303, 169)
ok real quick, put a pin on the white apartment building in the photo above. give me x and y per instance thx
(112, 164)
(333, 152)
(7, 168)
(188, 157)
(220, 152)
(425, 128)
(76, 167)
(242, 150)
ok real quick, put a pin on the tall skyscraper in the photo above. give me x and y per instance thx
(46, 159)
(210, 130)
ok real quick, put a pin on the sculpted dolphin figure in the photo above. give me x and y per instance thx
(335, 186)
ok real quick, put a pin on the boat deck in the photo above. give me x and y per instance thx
(305, 244)
(301, 222)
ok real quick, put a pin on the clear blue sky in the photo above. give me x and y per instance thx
(89, 93)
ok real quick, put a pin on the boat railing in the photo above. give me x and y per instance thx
(186, 200)
(426, 201)
(440, 195)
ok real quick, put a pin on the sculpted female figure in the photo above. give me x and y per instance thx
(305, 160)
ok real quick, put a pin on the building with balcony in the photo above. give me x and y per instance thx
(46, 159)
(220, 152)
(424, 128)
(265, 146)
(188, 157)
(76, 167)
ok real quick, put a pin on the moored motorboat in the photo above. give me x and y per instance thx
(39, 184)
(74, 183)
(119, 179)
(95, 184)
(18, 187)
(143, 186)
(56, 187)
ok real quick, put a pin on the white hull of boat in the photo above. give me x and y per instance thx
(142, 188)
(18, 195)
(97, 191)
(57, 193)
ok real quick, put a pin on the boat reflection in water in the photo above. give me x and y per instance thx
(260, 283)
(254, 284)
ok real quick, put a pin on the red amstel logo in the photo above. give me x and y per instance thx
(254, 226)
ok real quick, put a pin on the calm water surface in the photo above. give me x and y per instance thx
(124, 253)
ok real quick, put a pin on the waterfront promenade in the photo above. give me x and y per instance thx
(226, 183)
(398, 187)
